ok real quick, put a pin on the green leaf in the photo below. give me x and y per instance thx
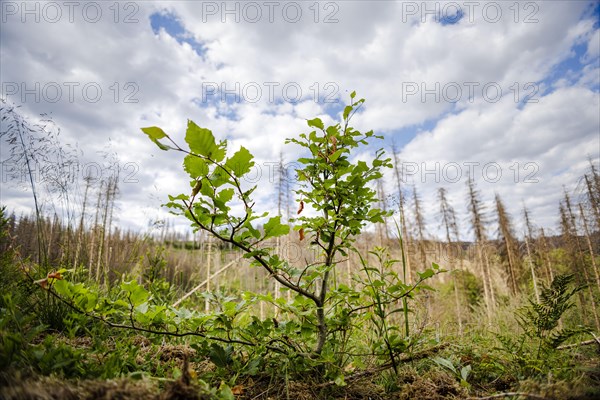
(428, 273)
(444, 363)
(218, 355)
(202, 142)
(62, 288)
(339, 380)
(275, 228)
(155, 133)
(195, 166)
(226, 195)
(347, 111)
(336, 155)
(316, 123)
(253, 231)
(182, 196)
(353, 94)
(137, 293)
(225, 392)
(464, 372)
(142, 308)
(241, 162)
(332, 130)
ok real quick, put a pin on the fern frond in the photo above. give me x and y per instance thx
(559, 337)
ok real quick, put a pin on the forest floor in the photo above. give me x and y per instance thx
(410, 383)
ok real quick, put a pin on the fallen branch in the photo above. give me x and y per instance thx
(584, 343)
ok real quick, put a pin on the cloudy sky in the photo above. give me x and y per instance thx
(508, 91)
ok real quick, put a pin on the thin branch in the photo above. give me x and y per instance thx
(584, 343)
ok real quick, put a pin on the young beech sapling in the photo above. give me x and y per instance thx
(333, 183)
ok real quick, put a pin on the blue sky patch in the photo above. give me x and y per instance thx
(173, 27)
(451, 19)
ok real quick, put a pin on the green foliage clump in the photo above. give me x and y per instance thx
(540, 319)
(535, 350)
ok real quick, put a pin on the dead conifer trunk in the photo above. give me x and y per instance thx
(589, 243)
(569, 237)
(546, 255)
(508, 238)
(399, 174)
(208, 253)
(528, 238)
(420, 225)
(94, 235)
(450, 225)
(81, 228)
(382, 227)
(478, 224)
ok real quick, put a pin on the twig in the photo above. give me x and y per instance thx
(584, 343)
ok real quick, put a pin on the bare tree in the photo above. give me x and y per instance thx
(579, 258)
(545, 251)
(399, 174)
(81, 227)
(528, 239)
(451, 227)
(419, 224)
(590, 247)
(475, 208)
(593, 191)
(571, 244)
(382, 228)
(95, 234)
(505, 231)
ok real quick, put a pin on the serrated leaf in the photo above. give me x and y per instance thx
(428, 273)
(62, 288)
(316, 123)
(178, 197)
(275, 228)
(253, 231)
(226, 195)
(332, 130)
(137, 293)
(202, 142)
(155, 133)
(347, 111)
(336, 155)
(241, 162)
(218, 355)
(195, 166)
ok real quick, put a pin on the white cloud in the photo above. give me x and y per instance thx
(375, 48)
